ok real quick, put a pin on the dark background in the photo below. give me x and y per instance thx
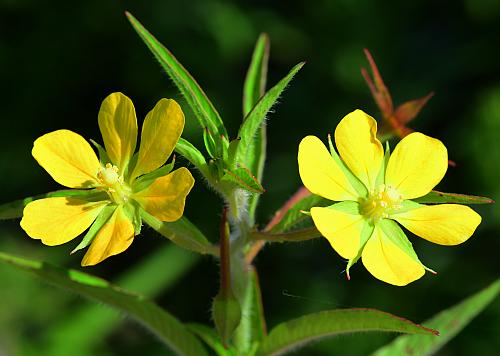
(58, 61)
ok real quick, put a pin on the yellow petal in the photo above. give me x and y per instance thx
(357, 143)
(68, 158)
(58, 220)
(114, 237)
(417, 165)
(160, 132)
(445, 224)
(387, 262)
(118, 125)
(320, 173)
(341, 229)
(165, 198)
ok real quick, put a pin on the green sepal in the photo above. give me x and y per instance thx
(146, 180)
(14, 209)
(226, 312)
(435, 197)
(103, 155)
(96, 226)
(243, 178)
(381, 174)
(133, 211)
(357, 185)
(366, 233)
(396, 235)
(347, 206)
(210, 144)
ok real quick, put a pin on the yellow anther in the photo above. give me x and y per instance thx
(381, 202)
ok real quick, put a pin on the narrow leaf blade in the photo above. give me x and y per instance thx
(166, 327)
(306, 329)
(195, 96)
(435, 197)
(211, 338)
(193, 155)
(255, 118)
(449, 322)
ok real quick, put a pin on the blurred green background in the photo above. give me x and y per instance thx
(58, 61)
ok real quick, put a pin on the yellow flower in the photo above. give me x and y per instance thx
(375, 190)
(112, 190)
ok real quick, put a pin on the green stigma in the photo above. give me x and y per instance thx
(113, 184)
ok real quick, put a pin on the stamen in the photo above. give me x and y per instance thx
(380, 203)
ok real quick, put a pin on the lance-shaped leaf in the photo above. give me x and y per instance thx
(203, 109)
(299, 332)
(256, 117)
(252, 328)
(193, 155)
(82, 331)
(435, 197)
(166, 327)
(244, 179)
(449, 323)
(181, 232)
(253, 89)
(13, 210)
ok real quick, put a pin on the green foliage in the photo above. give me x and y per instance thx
(193, 155)
(449, 322)
(253, 89)
(166, 327)
(257, 115)
(299, 332)
(212, 339)
(226, 312)
(435, 197)
(243, 178)
(86, 327)
(204, 110)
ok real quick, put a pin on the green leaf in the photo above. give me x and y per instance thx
(181, 232)
(15, 209)
(252, 328)
(193, 155)
(435, 197)
(294, 218)
(253, 89)
(449, 323)
(299, 332)
(166, 327)
(244, 179)
(86, 327)
(255, 118)
(203, 109)
(255, 81)
(211, 338)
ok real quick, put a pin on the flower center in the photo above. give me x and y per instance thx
(381, 202)
(113, 184)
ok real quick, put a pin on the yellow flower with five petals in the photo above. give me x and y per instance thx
(110, 191)
(374, 190)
